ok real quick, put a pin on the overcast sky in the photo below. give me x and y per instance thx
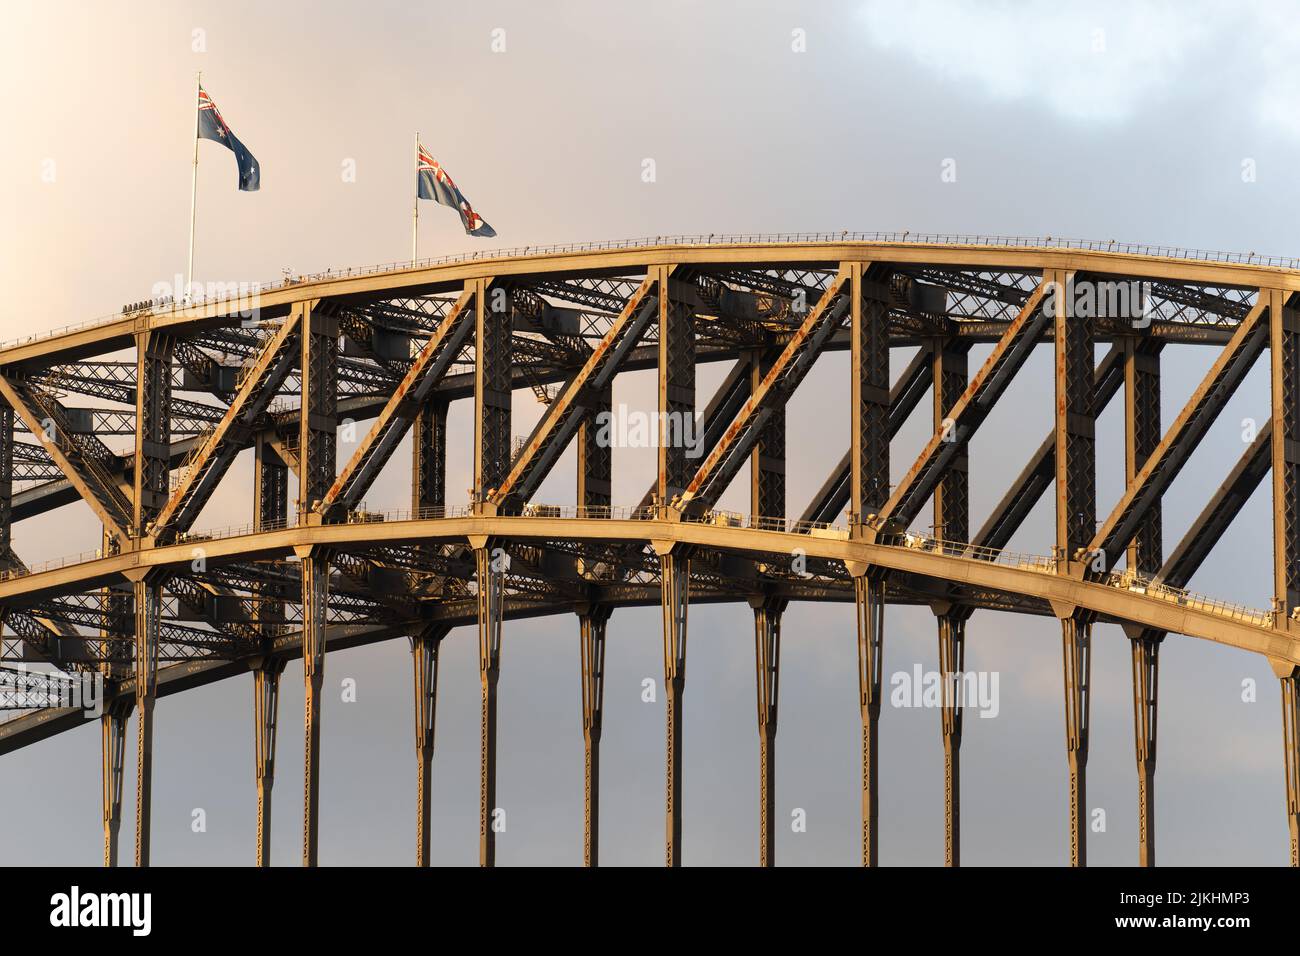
(1172, 123)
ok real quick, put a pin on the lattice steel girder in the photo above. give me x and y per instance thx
(676, 403)
(869, 601)
(377, 342)
(215, 604)
(952, 493)
(596, 455)
(1040, 473)
(491, 564)
(1284, 358)
(1142, 438)
(114, 381)
(318, 363)
(266, 718)
(492, 388)
(402, 408)
(1164, 463)
(429, 458)
(767, 672)
(711, 479)
(577, 400)
(593, 621)
(1204, 302)
(1075, 422)
(425, 647)
(59, 639)
(675, 582)
(375, 583)
(75, 455)
(417, 315)
(967, 415)
(29, 690)
(794, 282)
(51, 635)
(270, 486)
(153, 414)
(767, 458)
(187, 418)
(835, 494)
(601, 293)
(213, 458)
(871, 403)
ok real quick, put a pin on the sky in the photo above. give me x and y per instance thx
(1164, 123)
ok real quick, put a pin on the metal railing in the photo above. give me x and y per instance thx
(973, 552)
(54, 564)
(906, 237)
(733, 519)
(1126, 580)
(1150, 587)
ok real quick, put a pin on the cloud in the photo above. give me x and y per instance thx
(1102, 61)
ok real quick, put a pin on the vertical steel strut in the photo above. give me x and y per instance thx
(1284, 349)
(491, 563)
(1291, 757)
(424, 656)
(1076, 643)
(767, 668)
(113, 737)
(1076, 520)
(1145, 555)
(318, 340)
(148, 600)
(869, 600)
(951, 523)
(266, 710)
(314, 567)
(674, 569)
(592, 623)
(1146, 673)
(952, 669)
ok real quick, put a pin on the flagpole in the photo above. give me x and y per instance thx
(415, 211)
(194, 188)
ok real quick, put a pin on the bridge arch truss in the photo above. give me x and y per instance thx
(141, 417)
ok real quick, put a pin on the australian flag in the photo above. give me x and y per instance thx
(213, 126)
(432, 182)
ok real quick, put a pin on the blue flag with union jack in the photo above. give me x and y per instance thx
(213, 126)
(432, 182)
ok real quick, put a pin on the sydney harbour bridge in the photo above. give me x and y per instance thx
(141, 416)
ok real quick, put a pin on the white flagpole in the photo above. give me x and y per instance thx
(415, 213)
(194, 189)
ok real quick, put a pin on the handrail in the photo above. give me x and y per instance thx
(1126, 580)
(905, 238)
